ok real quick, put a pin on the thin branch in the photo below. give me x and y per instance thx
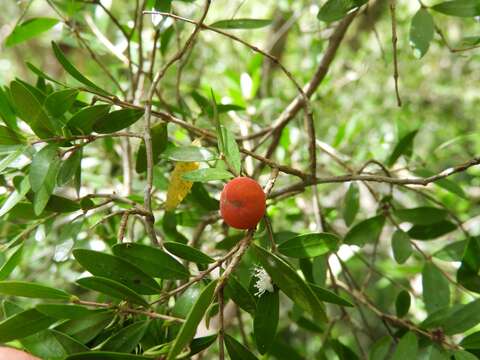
(395, 52)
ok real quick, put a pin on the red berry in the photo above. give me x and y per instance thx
(242, 203)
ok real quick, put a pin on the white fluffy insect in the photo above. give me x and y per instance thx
(263, 283)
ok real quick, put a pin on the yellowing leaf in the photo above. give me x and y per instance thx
(178, 187)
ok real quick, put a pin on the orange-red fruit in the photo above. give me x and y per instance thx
(242, 203)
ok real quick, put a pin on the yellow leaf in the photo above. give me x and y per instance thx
(179, 188)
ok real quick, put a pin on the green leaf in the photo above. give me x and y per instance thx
(31, 111)
(105, 355)
(230, 150)
(126, 339)
(288, 280)
(464, 355)
(421, 32)
(62, 205)
(266, 320)
(343, 351)
(29, 29)
(11, 263)
(329, 296)
(462, 318)
(118, 269)
(241, 24)
(112, 288)
(42, 164)
(9, 137)
(201, 343)
(446, 184)
(452, 252)
(63, 311)
(467, 274)
(23, 324)
(436, 289)
(472, 341)
(366, 231)
(309, 245)
(403, 147)
(187, 252)
(58, 102)
(207, 174)
(380, 349)
(32, 290)
(407, 347)
(51, 344)
(424, 215)
(189, 153)
(237, 292)
(352, 204)
(429, 232)
(401, 246)
(189, 327)
(402, 303)
(117, 120)
(42, 74)
(82, 121)
(15, 197)
(152, 261)
(69, 167)
(88, 327)
(159, 144)
(334, 10)
(72, 70)
(236, 350)
(460, 8)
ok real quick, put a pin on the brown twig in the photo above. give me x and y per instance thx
(395, 52)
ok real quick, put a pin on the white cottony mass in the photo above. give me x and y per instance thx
(263, 283)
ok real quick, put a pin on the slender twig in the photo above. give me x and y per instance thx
(395, 52)
(221, 331)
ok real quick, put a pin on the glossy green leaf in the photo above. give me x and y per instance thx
(69, 167)
(343, 351)
(402, 303)
(230, 150)
(452, 252)
(11, 263)
(152, 261)
(29, 29)
(403, 147)
(32, 290)
(127, 338)
(287, 279)
(236, 350)
(309, 245)
(407, 347)
(117, 120)
(207, 174)
(63, 311)
(86, 328)
(159, 135)
(460, 8)
(421, 32)
(467, 274)
(30, 110)
(51, 344)
(189, 153)
(82, 122)
(366, 231)
(105, 355)
(429, 232)
(58, 102)
(23, 324)
(240, 295)
(241, 24)
(187, 252)
(112, 288)
(462, 318)
(436, 289)
(265, 321)
(15, 197)
(424, 215)
(118, 269)
(380, 349)
(471, 341)
(334, 10)
(9, 137)
(352, 204)
(329, 296)
(201, 343)
(195, 315)
(464, 355)
(401, 246)
(73, 71)
(42, 164)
